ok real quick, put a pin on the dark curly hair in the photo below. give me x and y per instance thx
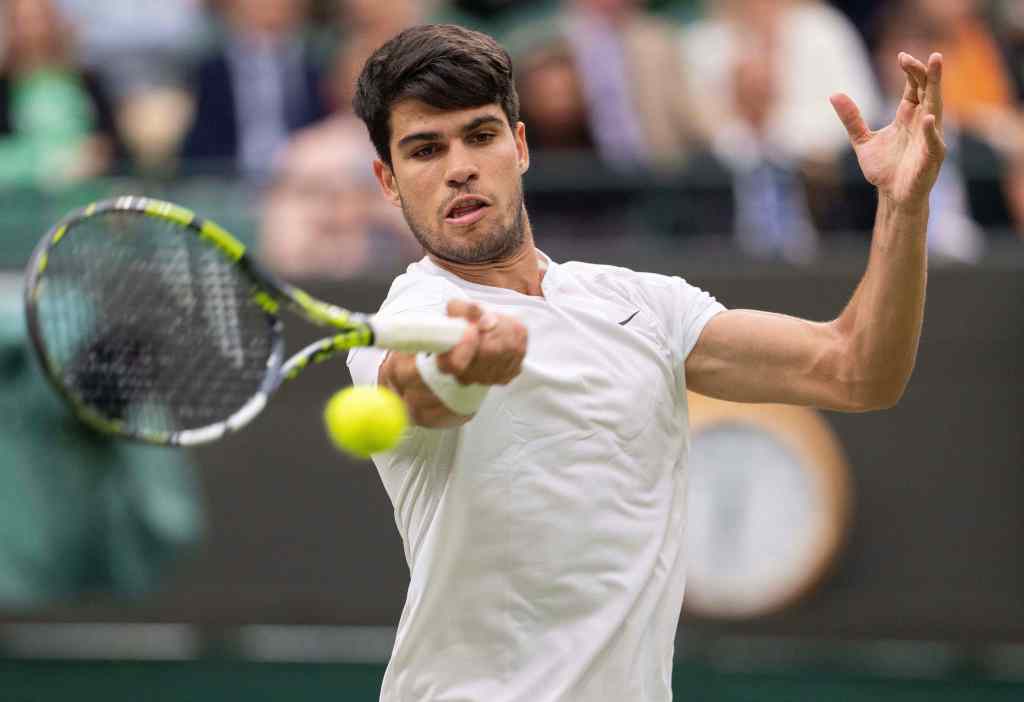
(444, 65)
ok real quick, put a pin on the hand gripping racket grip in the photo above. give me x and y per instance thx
(408, 333)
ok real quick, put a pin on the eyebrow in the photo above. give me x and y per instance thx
(434, 136)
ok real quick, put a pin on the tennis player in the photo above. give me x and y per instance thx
(541, 497)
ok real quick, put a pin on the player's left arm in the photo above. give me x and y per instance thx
(863, 359)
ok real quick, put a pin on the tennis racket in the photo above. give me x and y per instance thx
(157, 325)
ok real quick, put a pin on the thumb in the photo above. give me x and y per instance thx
(936, 146)
(457, 359)
(849, 115)
(467, 309)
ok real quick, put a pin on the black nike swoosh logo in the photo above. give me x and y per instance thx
(628, 319)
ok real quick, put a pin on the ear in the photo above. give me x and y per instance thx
(522, 148)
(388, 185)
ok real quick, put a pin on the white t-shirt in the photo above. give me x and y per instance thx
(545, 537)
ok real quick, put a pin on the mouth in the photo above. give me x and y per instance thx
(466, 210)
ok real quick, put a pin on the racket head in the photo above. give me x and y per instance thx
(153, 323)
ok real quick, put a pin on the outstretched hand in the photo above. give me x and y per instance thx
(903, 159)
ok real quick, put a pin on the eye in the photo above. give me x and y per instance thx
(482, 137)
(425, 151)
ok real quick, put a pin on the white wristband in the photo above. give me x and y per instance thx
(459, 398)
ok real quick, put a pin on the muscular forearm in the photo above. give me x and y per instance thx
(881, 326)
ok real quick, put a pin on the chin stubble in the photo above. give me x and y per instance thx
(499, 243)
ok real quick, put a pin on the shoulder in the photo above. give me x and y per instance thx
(672, 299)
(597, 271)
(617, 280)
(420, 288)
(678, 309)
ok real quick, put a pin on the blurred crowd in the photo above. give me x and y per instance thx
(720, 105)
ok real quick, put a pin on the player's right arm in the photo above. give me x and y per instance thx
(490, 353)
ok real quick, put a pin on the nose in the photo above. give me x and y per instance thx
(461, 168)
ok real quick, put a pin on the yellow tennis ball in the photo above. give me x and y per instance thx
(365, 419)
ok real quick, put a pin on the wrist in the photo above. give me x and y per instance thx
(461, 399)
(899, 225)
(909, 207)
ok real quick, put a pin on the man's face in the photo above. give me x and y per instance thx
(457, 175)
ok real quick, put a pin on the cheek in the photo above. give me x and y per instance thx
(416, 190)
(507, 171)
(514, 180)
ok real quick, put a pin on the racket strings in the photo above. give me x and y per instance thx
(147, 325)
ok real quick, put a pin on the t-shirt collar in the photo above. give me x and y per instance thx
(549, 283)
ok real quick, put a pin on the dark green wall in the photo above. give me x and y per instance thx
(300, 535)
(227, 682)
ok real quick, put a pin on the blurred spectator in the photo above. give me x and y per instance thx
(551, 100)
(861, 13)
(3, 35)
(262, 84)
(492, 11)
(952, 232)
(81, 515)
(137, 45)
(362, 26)
(1008, 21)
(558, 128)
(373, 22)
(771, 215)
(818, 52)
(142, 49)
(635, 86)
(978, 85)
(495, 17)
(1009, 18)
(152, 122)
(56, 123)
(624, 59)
(325, 216)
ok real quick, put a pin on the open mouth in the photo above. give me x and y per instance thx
(466, 210)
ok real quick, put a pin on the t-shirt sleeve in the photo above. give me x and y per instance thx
(700, 307)
(684, 309)
(409, 295)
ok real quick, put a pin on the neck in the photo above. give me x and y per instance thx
(522, 271)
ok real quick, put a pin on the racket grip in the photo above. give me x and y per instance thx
(407, 333)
